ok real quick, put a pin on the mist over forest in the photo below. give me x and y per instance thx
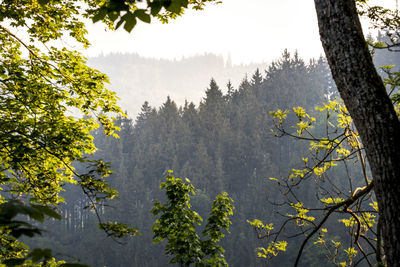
(136, 79)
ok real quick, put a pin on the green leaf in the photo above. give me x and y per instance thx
(130, 22)
(120, 22)
(142, 15)
(155, 8)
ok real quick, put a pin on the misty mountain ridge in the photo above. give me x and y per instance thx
(136, 79)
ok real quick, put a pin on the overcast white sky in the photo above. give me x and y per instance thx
(250, 31)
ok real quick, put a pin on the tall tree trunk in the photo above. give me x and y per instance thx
(373, 113)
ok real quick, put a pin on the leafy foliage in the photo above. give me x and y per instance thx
(339, 147)
(127, 13)
(50, 102)
(272, 249)
(177, 224)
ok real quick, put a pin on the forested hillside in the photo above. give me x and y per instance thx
(136, 79)
(224, 143)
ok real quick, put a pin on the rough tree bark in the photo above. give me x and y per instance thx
(373, 113)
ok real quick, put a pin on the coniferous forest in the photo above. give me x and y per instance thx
(224, 143)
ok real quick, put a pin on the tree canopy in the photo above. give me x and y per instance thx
(50, 101)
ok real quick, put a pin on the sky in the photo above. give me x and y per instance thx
(246, 31)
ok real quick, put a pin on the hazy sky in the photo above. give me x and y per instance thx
(248, 31)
